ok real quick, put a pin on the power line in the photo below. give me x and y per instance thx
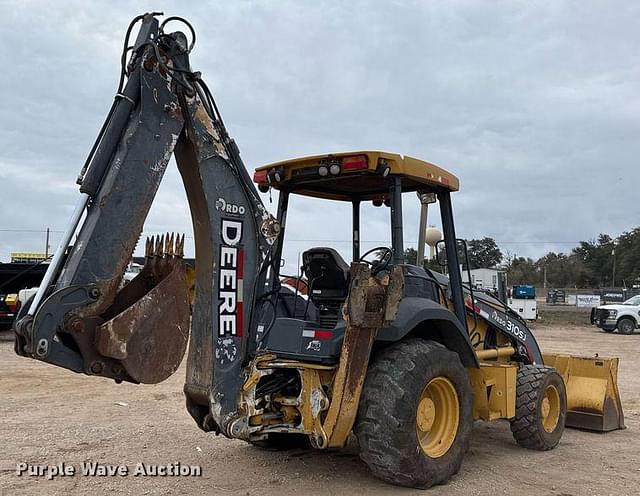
(537, 242)
(412, 241)
(30, 230)
(303, 240)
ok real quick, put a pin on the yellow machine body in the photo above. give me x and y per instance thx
(494, 390)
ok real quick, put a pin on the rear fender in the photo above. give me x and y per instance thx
(419, 317)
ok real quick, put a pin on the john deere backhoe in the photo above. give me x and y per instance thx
(403, 357)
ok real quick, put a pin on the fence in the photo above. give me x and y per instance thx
(588, 297)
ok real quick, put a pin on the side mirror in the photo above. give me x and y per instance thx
(441, 254)
(463, 253)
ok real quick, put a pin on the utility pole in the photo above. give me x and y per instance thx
(544, 284)
(613, 276)
(46, 245)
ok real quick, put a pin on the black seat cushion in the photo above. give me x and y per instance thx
(326, 270)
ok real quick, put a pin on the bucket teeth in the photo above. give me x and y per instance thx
(166, 245)
(169, 251)
(180, 246)
(159, 246)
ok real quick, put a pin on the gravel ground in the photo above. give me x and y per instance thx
(50, 416)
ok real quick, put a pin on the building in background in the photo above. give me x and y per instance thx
(23, 257)
(487, 279)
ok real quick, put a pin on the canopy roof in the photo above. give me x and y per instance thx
(353, 175)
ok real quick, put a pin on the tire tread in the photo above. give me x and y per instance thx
(385, 410)
(525, 427)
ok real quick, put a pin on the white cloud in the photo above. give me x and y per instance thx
(533, 104)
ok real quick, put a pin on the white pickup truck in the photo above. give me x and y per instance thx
(622, 316)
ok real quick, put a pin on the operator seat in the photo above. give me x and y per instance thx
(327, 273)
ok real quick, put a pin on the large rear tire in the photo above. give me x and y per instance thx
(541, 408)
(415, 415)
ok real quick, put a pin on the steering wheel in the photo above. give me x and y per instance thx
(380, 264)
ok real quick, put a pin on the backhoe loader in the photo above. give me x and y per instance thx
(403, 357)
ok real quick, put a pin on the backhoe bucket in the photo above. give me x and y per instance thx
(593, 399)
(147, 326)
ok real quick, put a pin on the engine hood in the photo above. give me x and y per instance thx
(618, 307)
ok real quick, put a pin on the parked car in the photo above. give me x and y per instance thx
(622, 316)
(8, 309)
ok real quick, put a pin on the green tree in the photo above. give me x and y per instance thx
(588, 265)
(627, 258)
(597, 259)
(411, 255)
(483, 253)
(521, 270)
(564, 271)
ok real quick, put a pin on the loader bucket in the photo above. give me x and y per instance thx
(593, 399)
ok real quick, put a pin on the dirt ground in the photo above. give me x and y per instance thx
(49, 415)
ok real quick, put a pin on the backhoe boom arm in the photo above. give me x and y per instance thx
(84, 320)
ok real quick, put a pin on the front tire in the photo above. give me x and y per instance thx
(541, 408)
(415, 415)
(626, 325)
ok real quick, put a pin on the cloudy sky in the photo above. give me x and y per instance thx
(534, 105)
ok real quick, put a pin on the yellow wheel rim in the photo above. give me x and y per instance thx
(437, 417)
(550, 408)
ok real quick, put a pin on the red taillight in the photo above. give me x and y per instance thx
(319, 334)
(260, 176)
(323, 335)
(357, 162)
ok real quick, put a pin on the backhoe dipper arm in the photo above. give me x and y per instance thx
(83, 319)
